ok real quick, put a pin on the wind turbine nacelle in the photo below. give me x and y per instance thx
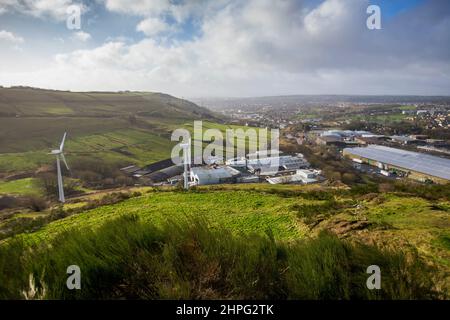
(56, 152)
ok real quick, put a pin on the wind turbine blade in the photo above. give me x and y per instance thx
(64, 160)
(61, 147)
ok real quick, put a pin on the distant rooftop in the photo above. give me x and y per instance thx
(402, 138)
(344, 133)
(414, 161)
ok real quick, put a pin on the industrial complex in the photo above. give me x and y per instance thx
(274, 168)
(397, 162)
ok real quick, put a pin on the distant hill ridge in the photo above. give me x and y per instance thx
(34, 119)
(27, 101)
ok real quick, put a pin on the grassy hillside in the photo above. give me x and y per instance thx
(415, 222)
(118, 128)
(31, 102)
(19, 187)
(32, 119)
(242, 211)
(240, 219)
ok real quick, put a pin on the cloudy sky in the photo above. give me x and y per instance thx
(212, 48)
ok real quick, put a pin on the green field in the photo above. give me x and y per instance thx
(382, 119)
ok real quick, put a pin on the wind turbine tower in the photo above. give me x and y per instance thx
(60, 156)
(187, 162)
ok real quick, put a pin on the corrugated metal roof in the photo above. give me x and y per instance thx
(164, 174)
(402, 138)
(214, 172)
(414, 161)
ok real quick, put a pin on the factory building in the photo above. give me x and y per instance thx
(300, 177)
(340, 138)
(137, 172)
(213, 175)
(417, 166)
(404, 140)
(272, 165)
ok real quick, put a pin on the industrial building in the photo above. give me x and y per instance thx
(414, 165)
(345, 134)
(405, 140)
(164, 174)
(137, 172)
(370, 139)
(300, 177)
(252, 168)
(272, 165)
(330, 140)
(340, 138)
(261, 164)
(213, 175)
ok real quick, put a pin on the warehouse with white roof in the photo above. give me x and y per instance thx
(414, 165)
(213, 175)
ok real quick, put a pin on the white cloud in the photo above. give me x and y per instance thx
(262, 47)
(81, 36)
(138, 7)
(179, 10)
(110, 55)
(10, 37)
(152, 26)
(56, 9)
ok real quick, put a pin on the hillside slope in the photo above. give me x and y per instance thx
(119, 128)
(248, 212)
(26, 102)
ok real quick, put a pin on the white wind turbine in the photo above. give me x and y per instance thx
(186, 161)
(60, 156)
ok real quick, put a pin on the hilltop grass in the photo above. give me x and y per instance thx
(242, 211)
(396, 221)
(393, 220)
(425, 224)
(191, 259)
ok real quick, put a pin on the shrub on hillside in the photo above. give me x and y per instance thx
(8, 202)
(36, 203)
(429, 192)
(312, 213)
(48, 182)
(98, 174)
